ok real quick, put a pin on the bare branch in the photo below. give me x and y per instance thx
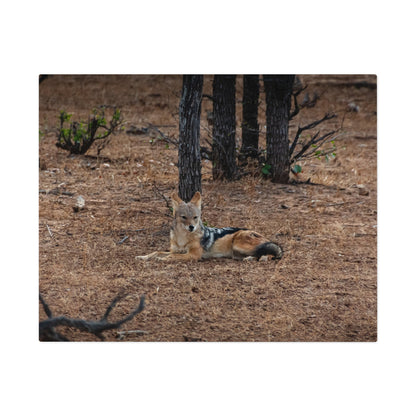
(295, 94)
(47, 326)
(328, 116)
(158, 192)
(45, 307)
(311, 143)
(322, 140)
(210, 97)
(49, 333)
(163, 136)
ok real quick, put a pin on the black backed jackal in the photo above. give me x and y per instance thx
(191, 240)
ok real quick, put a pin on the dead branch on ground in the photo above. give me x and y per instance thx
(47, 327)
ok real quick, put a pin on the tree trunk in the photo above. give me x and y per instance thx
(250, 127)
(189, 155)
(223, 147)
(278, 90)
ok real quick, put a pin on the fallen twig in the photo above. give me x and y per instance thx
(123, 239)
(55, 191)
(49, 230)
(343, 203)
(122, 334)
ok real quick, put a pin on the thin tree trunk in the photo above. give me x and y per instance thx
(223, 146)
(250, 127)
(189, 154)
(278, 90)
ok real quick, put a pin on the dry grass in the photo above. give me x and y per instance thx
(324, 288)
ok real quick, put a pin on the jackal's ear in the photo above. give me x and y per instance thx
(175, 201)
(196, 200)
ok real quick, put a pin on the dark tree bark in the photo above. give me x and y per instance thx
(189, 154)
(278, 90)
(250, 127)
(223, 146)
(42, 78)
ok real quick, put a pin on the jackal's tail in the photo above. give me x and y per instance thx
(269, 248)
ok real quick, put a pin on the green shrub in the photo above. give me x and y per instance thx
(77, 137)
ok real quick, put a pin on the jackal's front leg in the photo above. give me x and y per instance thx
(159, 255)
(192, 254)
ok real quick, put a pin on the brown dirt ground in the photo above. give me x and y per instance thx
(324, 288)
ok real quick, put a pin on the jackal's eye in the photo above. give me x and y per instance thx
(195, 218)
(183, 216)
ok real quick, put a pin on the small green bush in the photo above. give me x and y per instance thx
(77, 137)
